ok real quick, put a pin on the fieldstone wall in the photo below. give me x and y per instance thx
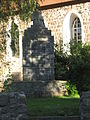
(13, 106)
(41, 88)
(15, 63)
(54, 18)
(10, 66)
(2, 53)
(85, 106)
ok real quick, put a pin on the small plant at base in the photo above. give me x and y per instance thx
(72, 90)
(7, 83)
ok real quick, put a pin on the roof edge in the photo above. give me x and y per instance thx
(62, 4)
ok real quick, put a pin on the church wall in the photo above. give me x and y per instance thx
(54, 19)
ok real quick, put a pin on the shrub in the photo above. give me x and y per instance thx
(72, 90)
(60, 61)
(79, 66)
(7, 84)
(75, 66)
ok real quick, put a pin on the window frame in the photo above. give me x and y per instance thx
(76, 30)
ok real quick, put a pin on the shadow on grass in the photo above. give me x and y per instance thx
(53, 106)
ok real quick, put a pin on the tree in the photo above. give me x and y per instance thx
(23, 8)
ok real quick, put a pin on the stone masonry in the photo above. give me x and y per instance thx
(54, 18)
(41, 88)
(85, 106)
(13, 106)
(12, 66)
(38, 52)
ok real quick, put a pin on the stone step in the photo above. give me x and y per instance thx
(55, 118)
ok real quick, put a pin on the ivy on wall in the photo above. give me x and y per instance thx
(10, 8)
(14, 39)
(23, 8)
(2, 38)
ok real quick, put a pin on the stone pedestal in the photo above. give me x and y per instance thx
(41, 88)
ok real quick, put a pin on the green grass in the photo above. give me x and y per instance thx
(53, 106)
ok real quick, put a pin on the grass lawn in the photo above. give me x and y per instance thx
(53, 106)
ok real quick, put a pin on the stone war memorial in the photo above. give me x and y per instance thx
(38, 62)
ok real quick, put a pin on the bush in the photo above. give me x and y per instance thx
(75, 66)
(79, 66)
(7, 83)
(60, 61)
(72, 90)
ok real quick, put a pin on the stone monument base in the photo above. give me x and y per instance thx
(40, 88)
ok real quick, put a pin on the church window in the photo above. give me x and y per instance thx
(76, 30)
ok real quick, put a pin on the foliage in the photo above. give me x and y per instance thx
(23, 8)
(7, 83)
(11, 8)
(14, 39)
(72, 90)
(2, 37)
(75, 66)
(60, 61)
(79, 66)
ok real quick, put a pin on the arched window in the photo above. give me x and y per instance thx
(14, 39)
(76, 30)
